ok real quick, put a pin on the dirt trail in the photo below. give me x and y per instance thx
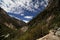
(50, 36)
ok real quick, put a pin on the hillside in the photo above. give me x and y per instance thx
(9, 21)
(8, 25)
(44, 22)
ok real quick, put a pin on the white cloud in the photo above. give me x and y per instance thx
(46, 0)
(36, 6)
(25, 21)
(28, 17)
(22, 14)
(45, 5)
(17, 5)
(42, 3)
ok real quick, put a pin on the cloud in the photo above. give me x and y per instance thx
(19, 7)
(28, 17)
(22, 14)
(25, 21)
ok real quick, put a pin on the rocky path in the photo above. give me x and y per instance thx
(50, 36)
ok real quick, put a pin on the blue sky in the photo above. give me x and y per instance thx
(24, 10)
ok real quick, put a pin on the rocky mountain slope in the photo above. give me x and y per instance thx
(9, 21)
(8, 25)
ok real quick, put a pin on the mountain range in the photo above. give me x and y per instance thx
(13, 29)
